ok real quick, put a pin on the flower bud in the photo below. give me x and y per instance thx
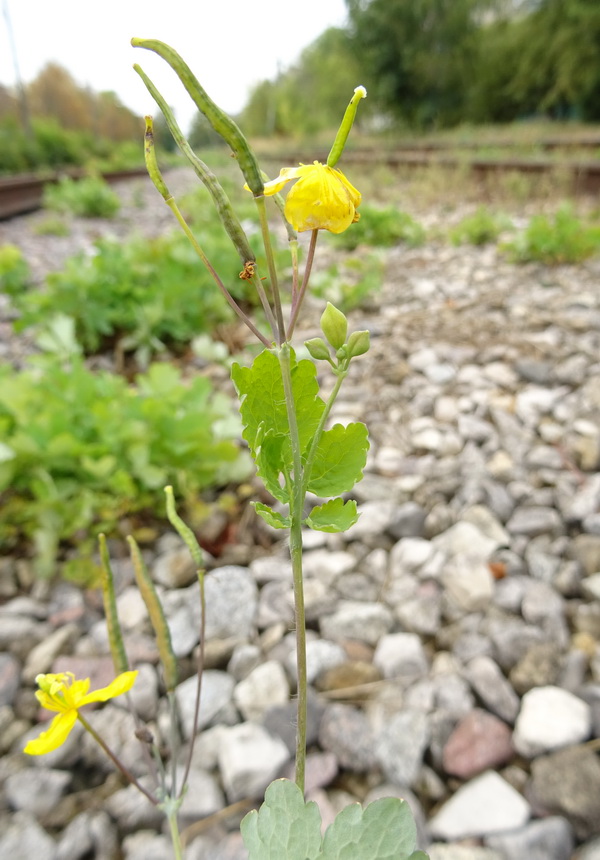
(358, 343)
(318, 349)
(334, 326)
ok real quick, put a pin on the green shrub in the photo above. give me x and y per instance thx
(81, 451)
(14, 271)
(52, 225)
(480, 228)
(381, 228)
(140, 296)
(90, 197)
(563, 238)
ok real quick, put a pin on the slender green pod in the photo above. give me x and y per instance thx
(344, 130)
(220, 121)
(184, 531)
(220, 199)
(157, 616)
(115, 636)
(151, 162)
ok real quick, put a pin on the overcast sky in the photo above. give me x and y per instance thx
(229, 44)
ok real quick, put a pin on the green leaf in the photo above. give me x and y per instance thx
(340, 458)
(385, 830)
(274, 519)
(270, 463)
(334, 516)
(284, 827)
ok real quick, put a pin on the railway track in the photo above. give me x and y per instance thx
(583, 175)
(23, 193)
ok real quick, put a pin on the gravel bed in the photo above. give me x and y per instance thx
(454, 631)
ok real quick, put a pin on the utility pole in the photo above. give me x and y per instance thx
(21, 93)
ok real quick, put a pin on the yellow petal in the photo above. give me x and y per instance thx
(54, 736)
(120, 685)
(321, 199)
(286, 174)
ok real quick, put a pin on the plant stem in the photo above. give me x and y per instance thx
(297, 304)
(296, 506)
(266, 237)
(175, 837)
(118, 764)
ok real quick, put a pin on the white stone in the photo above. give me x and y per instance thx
(485, 805)
(550, 718)
(217, 691)
(265, 686)
(465, 538)
(366, 622)
(469, 582)
(249, 759)
(400, 654)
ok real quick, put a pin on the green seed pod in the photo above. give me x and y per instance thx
(358, 343)
(220, 121)
(224, 208)
(115, 637)
(157, 616)
(334, 326)
(344, 129)
(151, 163)
(184, 531)
(318, 349)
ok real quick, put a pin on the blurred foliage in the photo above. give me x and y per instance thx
(81, 450)
(310, 96)
(382, 228)
(89, 197)
(561, 238)
(436, 63)
(56, 123)
(14, 270)
(349, 283)
(480, 228)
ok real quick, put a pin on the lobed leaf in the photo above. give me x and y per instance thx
(274, 519)
(334, 516)
(384, 830)
(340, 459)
(284, 827)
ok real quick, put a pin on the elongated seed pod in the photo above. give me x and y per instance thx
(157, 616)
(151, 162)
(115, 637)
(222, 203)
(345, 126)
(184, 531)
(220, 121)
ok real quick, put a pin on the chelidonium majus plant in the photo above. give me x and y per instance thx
(296, 452)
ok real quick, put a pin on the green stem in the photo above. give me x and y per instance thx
(175, 836)
(117, 762)
(266, 237)
(296, 506)
(297, 304)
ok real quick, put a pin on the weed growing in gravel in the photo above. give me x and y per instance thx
(82, 449)
(480, 228)
(14, 271)
(563, 238)
(90, 197)
(382, 228)
(285, 422)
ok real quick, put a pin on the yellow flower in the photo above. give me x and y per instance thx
(321, 199)
(64, 694)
